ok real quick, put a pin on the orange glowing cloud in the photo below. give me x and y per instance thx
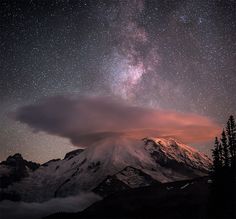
(87, 119)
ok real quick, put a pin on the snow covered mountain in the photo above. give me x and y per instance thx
(130, 162)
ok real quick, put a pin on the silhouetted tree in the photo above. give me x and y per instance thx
(216, 156)
(225, 150)
(220, 155)
(231, 134)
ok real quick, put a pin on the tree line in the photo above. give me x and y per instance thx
(224, 152)
(223, 189)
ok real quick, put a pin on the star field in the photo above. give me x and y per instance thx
(170, 55)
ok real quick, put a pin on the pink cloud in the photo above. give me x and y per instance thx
(87, 119)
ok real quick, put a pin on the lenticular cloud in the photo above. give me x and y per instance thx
(86, 119)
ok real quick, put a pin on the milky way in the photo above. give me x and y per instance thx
(166, 55)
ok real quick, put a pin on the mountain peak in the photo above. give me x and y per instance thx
(174, 150)
(73, 153)
(16, 156)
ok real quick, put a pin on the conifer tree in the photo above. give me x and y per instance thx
(220, 155)
(231, 132)
(216, 156)
(225, 151)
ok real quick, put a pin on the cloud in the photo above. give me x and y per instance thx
(86, 119)
(26, 210)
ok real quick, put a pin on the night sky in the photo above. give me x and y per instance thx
(164, 55)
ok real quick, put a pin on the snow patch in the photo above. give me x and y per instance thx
(184, 186)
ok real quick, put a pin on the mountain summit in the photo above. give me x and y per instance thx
(14, 169)
(126, 161)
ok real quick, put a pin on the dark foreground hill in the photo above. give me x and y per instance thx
(183, 199)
